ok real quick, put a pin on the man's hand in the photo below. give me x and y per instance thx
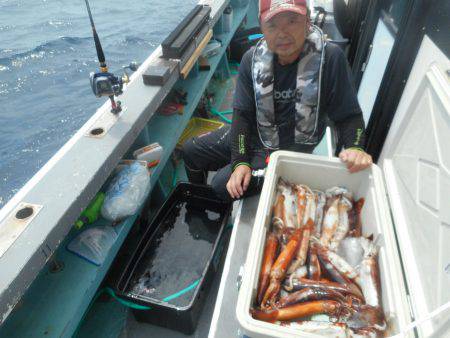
(239, 181)
(355, 159)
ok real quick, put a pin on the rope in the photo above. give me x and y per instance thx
(220, 114)
(175, 176)
(135, 306)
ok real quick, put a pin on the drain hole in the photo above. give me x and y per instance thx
(97, 131)
(56, 266)
(24, 213)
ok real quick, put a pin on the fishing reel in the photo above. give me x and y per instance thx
(107, 84)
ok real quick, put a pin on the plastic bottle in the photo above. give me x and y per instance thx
(91, 213)
(149, 153)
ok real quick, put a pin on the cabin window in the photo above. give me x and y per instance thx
(383, 41)
(392, 14)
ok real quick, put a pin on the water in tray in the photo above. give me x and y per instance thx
(177, 254)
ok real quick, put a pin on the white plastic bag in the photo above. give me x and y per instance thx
(93, 244)
(126, 192)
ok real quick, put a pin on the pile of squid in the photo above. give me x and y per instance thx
(318, 272)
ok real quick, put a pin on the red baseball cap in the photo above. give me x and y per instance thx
(269, 8)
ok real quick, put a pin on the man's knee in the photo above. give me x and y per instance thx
(220, 180)
(219, 184)
(189, 150)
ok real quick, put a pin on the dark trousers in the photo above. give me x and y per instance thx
(212, 152)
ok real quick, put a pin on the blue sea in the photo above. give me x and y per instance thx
(46, 55)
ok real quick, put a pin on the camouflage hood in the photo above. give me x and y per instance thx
(307, 93)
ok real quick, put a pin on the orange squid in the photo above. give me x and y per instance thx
(279, 213)
(309, 294)
(297, 311)
(302, 251)
(315, 270)
(358, 205)
(270, 252)
(346, 289)
(279, 268)
(301, 203)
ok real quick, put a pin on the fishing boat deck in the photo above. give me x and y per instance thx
(55, 303)
(46, 291)
(64, 299)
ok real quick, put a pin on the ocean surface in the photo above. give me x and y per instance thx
(46, 54)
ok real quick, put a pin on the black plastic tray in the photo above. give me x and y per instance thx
(180, 313)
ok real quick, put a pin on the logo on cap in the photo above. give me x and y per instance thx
(269, 8)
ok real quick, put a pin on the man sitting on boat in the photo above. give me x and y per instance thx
(288, 86)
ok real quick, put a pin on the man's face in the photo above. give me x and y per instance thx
(285, 33)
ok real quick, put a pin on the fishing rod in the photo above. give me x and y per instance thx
(104, 83)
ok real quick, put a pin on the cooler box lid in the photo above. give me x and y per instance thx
(416, 164)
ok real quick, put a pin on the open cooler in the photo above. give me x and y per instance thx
(323, 173)
(407, 205)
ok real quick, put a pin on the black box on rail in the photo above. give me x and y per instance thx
(179, 39)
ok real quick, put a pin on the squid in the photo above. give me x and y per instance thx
(369, 275)
(306, 213)
(301, 310)
(330, 222)
(311, 205)
(343, 226)
(301, 203)
(336, 275)
(279, 212)
(339, 191)
(317, 234)
(314, 269)
(300, 272)
(284, 217)
(302, 251)
(279, 268)
(357, 206)
(333, 261)
(270, 252)
(366, 317)
(320, 206)
(346, 289)
(351, 250)
(309, 294)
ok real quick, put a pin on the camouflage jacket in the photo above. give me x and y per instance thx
(307, 95)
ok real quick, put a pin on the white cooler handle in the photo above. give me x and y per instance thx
(422, 320)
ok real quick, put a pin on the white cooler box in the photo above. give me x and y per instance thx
(416, 180)
(322, 173)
